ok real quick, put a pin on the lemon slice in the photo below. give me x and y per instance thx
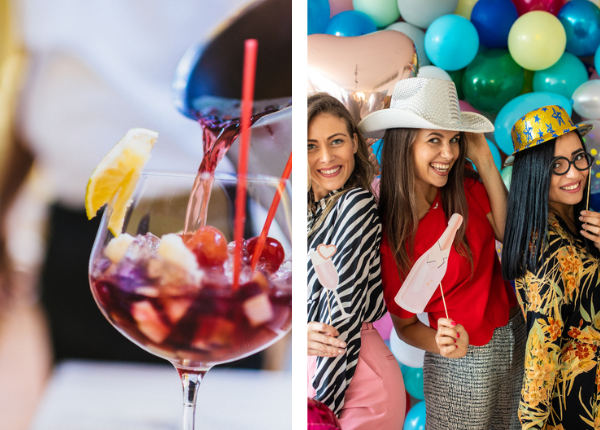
(117, 174)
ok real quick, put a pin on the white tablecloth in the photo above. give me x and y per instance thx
(116, 396)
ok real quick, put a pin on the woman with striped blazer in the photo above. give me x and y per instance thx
(349, 368)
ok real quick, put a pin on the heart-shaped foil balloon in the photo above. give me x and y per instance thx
(360, 71)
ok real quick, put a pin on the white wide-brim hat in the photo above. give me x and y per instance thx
(423, 103)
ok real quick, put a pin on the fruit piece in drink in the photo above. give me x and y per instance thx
(272, 254)
(209, 245)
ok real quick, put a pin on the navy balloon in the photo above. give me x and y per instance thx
(415, 419)
(318, 16)
(351, 23)
(581, 20)
(519, 106)
(493, 20)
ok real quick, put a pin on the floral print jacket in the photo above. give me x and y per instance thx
(562, 309)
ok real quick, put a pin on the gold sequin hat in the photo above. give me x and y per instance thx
(542, 125)
(423, 103)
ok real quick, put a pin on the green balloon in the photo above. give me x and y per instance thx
(506, 174)
(457, 76)
(491, 80)
(527, 82)
(382, 12)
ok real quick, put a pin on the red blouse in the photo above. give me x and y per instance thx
(480, 302)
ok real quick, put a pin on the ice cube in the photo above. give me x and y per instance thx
(173, 250)
(258, 309)
(117, 247)
(149, 322)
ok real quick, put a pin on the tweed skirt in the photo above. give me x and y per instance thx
(482, 390)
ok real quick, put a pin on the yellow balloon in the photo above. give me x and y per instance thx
(537, 40)
(464, 8)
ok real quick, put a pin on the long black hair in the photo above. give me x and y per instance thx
(525, 234)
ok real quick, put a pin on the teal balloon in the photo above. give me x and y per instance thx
(415, 419)
(451, 42)
(519, 106)
(318, 16)
(563, 77)
(413, 381)
(382, 12)
(350, 23)
(492, 80)
(506, 174)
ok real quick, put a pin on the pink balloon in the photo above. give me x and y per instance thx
(384, 326)
(337, 6)
(465, 106)
(375, 186)
(320, 417)
(552, 6)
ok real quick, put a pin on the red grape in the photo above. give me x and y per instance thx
(271, 256)
(209, 245)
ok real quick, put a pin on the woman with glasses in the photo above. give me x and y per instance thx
(551, 251)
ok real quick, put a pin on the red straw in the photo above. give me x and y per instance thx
(250, 51)
(263, 235)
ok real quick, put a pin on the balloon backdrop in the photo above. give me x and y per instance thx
(528, 81)
(493, 20)
(417, 36)
(350, 23)
(552, 6)
(337, 6)
(465, 8)
(457, 77)
(384, 326)
(382, 12)
(423, 12)
(433, 72)
(415, 420)
(519, 106)
(506, 174)
(413, 381)
(581, 21)
(586, 100)
(592, 143)
(317, 16)
(360, 71)
(451, 42)
(404, 353)
(536, 40)
(562, 78)
(492, 80)
(466, 107)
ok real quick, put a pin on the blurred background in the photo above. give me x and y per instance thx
(74, 77)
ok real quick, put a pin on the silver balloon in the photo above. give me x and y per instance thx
(416, 35)
(360, 71)
(592, 143)
(423, 12)
(586, 99)
(434, 72)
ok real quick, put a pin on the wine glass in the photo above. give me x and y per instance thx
(177, 301)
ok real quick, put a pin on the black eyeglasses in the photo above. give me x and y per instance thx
(561, 165)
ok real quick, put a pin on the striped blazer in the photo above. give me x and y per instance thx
(353, 226)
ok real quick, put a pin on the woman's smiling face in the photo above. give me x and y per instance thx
(435, 152)
(568, 189)
(331, 152)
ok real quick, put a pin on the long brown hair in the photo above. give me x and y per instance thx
(398, 198)
(362, 175)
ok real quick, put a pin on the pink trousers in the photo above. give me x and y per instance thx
(376, 398)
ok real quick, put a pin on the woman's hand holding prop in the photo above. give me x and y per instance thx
(451, 338)
(322, 340)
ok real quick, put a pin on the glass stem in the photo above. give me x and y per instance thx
(190, 380)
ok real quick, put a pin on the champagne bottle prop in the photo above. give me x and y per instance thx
(428, 272)
(327, 273)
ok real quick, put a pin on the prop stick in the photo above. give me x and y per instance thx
(250, 51)
(444, 300)
(328, 306)
(260, 244)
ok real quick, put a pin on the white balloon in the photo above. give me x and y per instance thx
(433, 72)
(404, 353)
(423, 12)
(416, 35)
(586, 99)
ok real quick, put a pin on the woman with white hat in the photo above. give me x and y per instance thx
(349, 367)
(551, 251)
(475, 339)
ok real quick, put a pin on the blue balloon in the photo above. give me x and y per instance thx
(318, 16)
(413, 381)
(563, 78)
(451, 42)
(351, 23)
(519, 106)
(415, 419)
(493, 20)
(581, 20)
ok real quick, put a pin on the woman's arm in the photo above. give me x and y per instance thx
(450, 340)
(478, 151)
